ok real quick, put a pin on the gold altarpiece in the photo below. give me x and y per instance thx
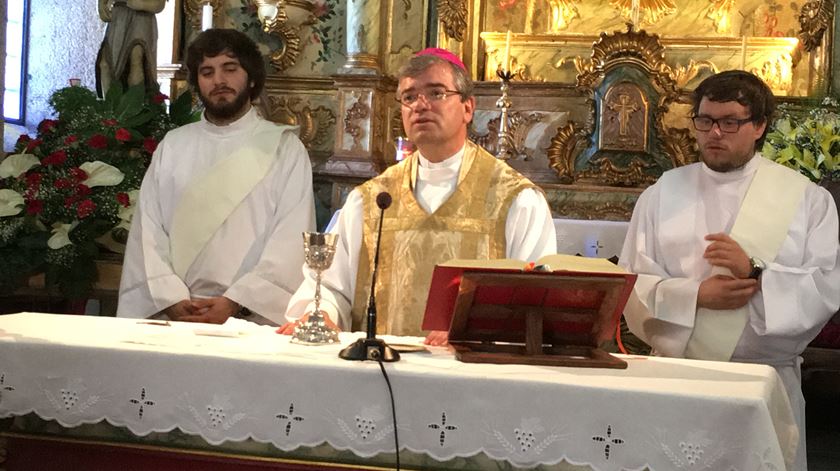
(600, 91)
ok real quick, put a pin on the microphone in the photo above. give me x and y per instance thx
(371, 348)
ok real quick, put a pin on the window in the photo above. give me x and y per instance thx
(17, 35)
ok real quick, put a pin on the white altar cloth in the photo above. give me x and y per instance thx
(662, 413)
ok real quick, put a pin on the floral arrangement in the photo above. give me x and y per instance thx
(809, 144)
(73, 188)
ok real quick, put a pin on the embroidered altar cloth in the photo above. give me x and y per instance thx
(240, 381)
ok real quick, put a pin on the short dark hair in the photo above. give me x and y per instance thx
(215, 41)
(742, 87)
(418, 64)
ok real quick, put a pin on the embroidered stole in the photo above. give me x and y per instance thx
(469, 224)
(208, 201)
(760, 227)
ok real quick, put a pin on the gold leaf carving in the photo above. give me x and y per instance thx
(519, 125)
(683, 75)
(314, 124)
(720, 12)
(563, 149)
(814, 18)
(651, 10)
(359, 111)
(453, 17)
(562, 13)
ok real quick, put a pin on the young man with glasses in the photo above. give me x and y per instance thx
(737, 256)
(451, 199)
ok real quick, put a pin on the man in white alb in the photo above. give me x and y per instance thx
(217, 230)
(737, 256)
(451, 199)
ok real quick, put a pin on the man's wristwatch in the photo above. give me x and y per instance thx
(756, 267)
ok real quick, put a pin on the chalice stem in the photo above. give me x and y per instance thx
(317, 292)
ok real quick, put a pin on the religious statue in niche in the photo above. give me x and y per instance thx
(624, 118)
(128, 52)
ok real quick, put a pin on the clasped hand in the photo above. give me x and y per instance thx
(215, 310)
(721, 291)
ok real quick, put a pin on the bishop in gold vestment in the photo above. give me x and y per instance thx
(451, 199)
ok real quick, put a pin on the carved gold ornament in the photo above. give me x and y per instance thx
(720, 12)
(358, 112)
(315, 124)
(519, 125)
(628, 83)
(453, 17)
(275, 20)
(651, 10)
(814, 18)
(683, 75)
(562, 13)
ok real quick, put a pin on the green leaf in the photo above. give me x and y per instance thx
(131, 102)
(180, 109)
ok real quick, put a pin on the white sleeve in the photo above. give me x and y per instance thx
(529, 227)
(148, 283)
(338, 283)
(798, 296)
(267, 288)
(662, 308)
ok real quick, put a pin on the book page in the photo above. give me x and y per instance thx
(561, 262)
(555, 262)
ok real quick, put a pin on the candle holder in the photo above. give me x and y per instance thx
(504, 147)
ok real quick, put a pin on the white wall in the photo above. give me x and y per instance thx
(64, 37)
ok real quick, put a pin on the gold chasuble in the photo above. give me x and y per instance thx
(468, 225)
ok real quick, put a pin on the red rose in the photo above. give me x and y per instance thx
(70, 139)
(150, 144)
(47, 125)
(78, 174)
(56, 158)
(123, 135)
(62, 183)
(70, 201)
(123, 199)
(110, 122)
(82, 189)
(34, 207)
(31, 144)
(159, 98)
(85, 208)
(98, 141)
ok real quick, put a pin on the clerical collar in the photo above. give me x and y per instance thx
(243, 124)
(439, 171)
(747, 169)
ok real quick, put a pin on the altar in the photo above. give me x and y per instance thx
(243, 394)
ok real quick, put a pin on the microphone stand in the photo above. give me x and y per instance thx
(370, 347)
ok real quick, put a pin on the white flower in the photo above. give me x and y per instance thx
(101, 174)
(11, 202)
(16, 165)
(61, 235)
(126, 213)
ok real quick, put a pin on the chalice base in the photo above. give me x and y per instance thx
(315, 332)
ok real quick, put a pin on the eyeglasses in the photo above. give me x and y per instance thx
(409, 99)
(727, 125)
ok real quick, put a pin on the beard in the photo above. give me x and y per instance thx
(227, 109)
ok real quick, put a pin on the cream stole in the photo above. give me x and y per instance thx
(212, 197)
(760, 228)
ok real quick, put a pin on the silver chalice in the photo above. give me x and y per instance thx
(318, 250)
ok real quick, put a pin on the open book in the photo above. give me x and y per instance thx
(578, 288)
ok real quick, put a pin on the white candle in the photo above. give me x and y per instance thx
(743, 52)
(506, 63)
(206, 16)
(634, 13)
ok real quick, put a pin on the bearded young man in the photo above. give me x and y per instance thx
(737, 256)
(451, 199)
(221, 203)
